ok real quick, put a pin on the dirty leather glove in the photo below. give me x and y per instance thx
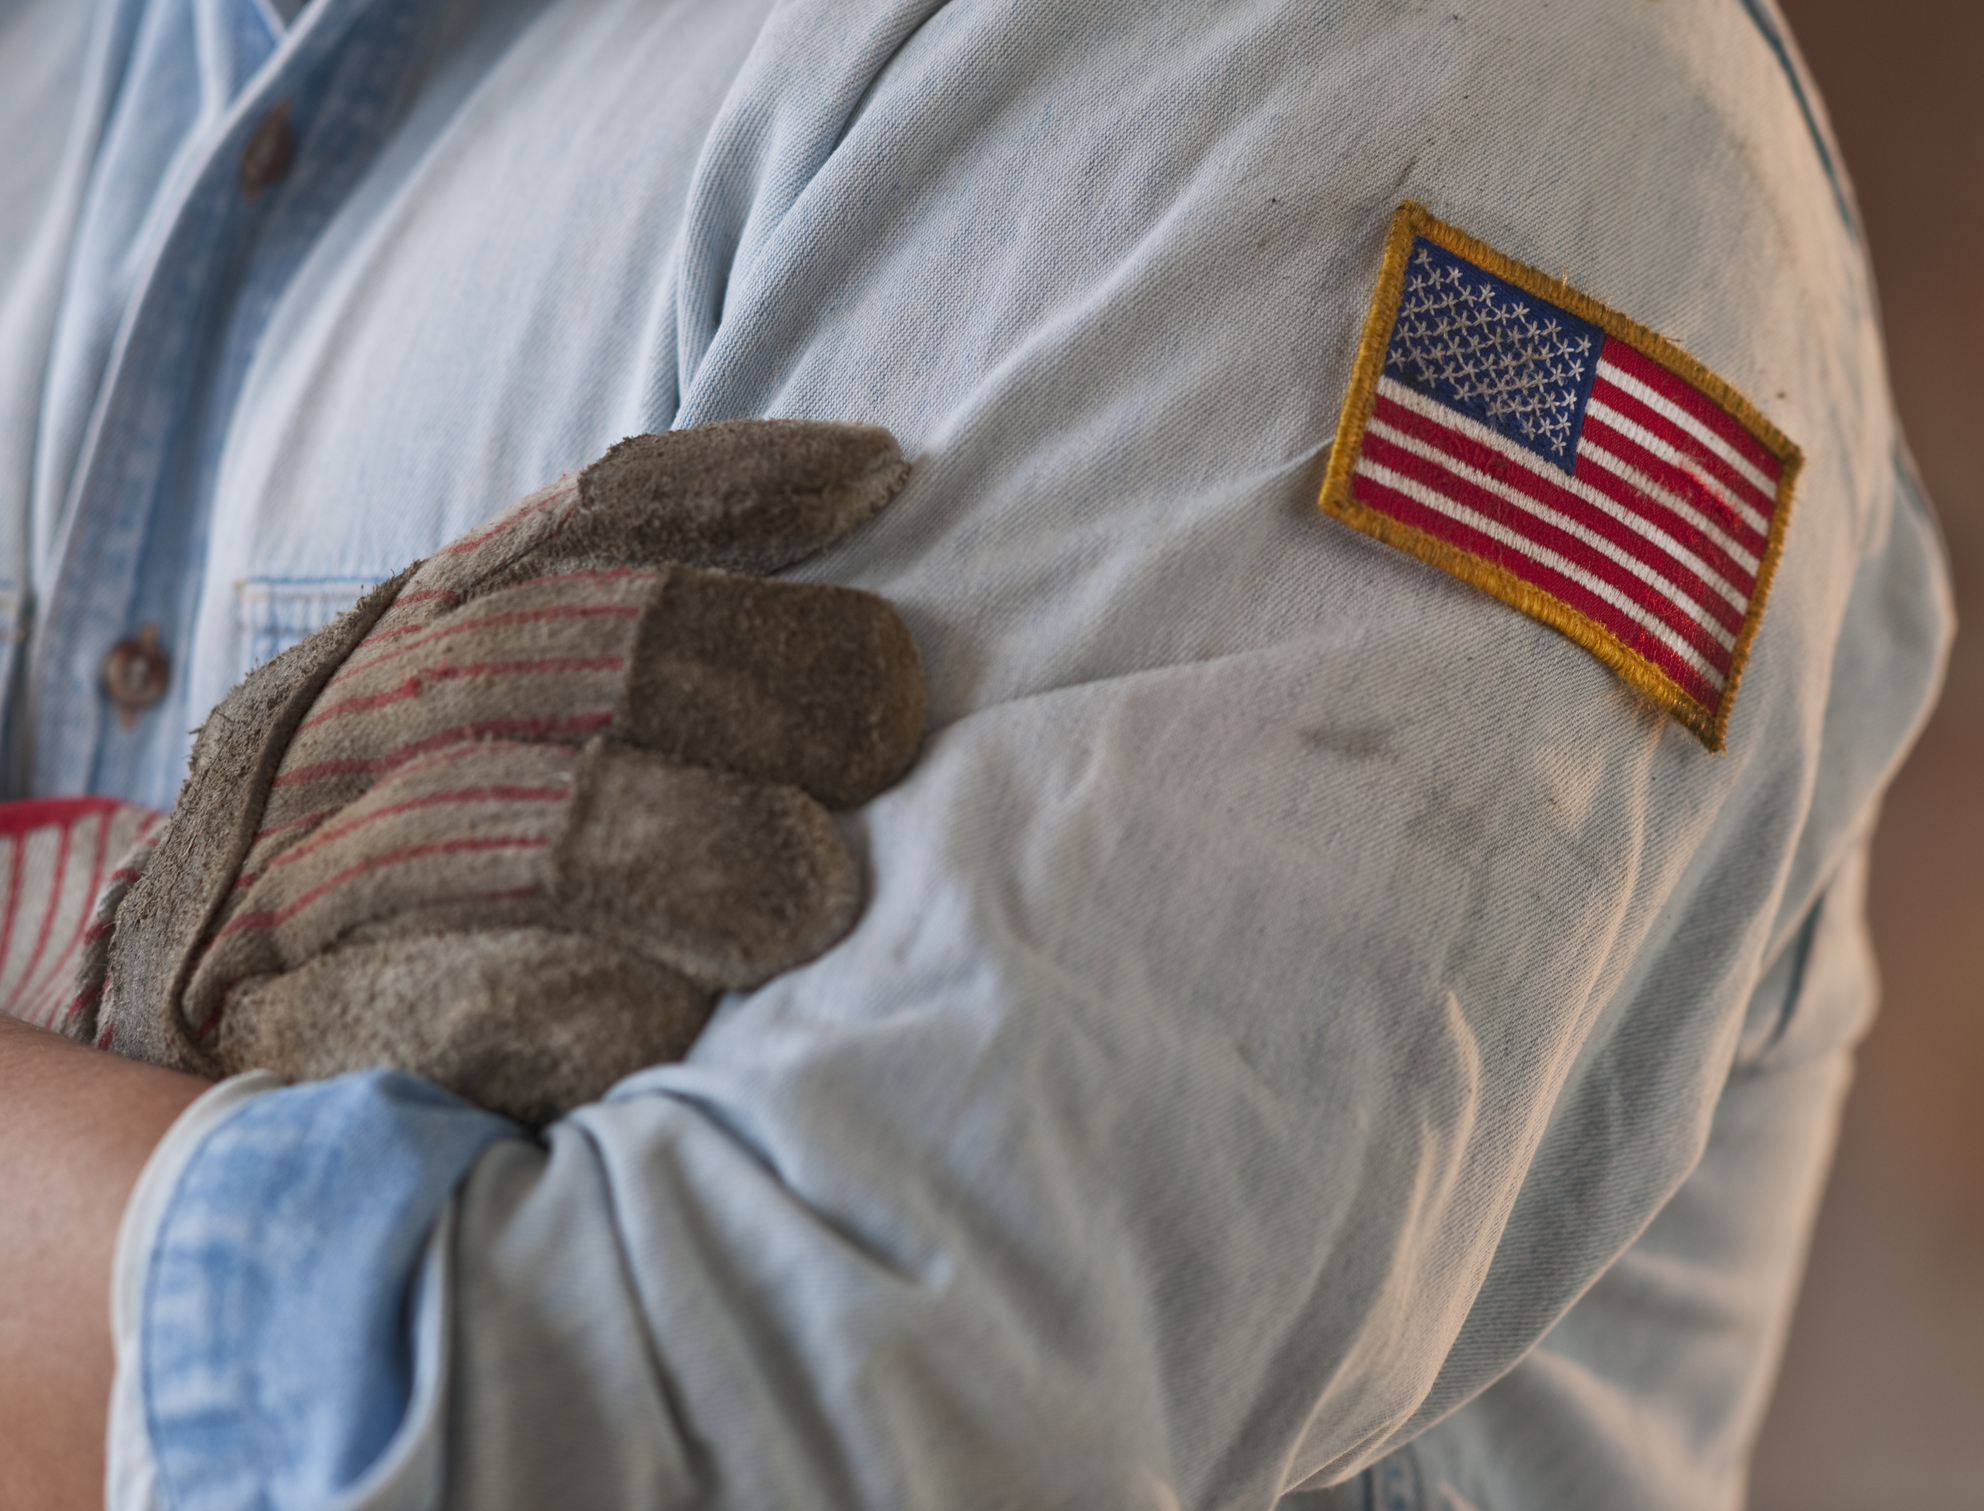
(517, 817)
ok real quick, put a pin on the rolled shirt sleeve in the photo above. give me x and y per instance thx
(280, 1296)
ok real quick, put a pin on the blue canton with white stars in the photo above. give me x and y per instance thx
(1518, 364)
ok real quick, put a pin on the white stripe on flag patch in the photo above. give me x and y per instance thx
(1668, 410)
(1653, 445)
(1634, 478)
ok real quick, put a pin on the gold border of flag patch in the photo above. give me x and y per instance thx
(1411, 221)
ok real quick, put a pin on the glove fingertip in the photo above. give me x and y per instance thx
(526, 1022)
(743, 495)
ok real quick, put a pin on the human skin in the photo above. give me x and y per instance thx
(76, 1126)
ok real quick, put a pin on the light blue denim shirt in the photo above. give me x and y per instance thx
(1312, 1026)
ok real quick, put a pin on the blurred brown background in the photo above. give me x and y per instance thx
(1882, 1399)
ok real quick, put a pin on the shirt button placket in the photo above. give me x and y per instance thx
(137, 671)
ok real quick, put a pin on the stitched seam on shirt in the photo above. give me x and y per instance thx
(1775, 40)
(1808, 934)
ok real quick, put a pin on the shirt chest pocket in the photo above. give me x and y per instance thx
(276, 612)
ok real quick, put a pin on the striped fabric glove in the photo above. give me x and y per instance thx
(64, 862)
(516, 818)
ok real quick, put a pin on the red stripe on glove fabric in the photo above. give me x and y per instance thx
(59, 852)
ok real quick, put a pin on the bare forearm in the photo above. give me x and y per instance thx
(76, 1127)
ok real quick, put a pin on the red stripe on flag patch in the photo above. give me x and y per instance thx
(1661, 444)
(1609, 460)
(1528, 440)
(1686, 396)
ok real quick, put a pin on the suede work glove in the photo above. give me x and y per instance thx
(517, 817)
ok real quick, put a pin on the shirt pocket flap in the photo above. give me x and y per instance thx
(276, 612)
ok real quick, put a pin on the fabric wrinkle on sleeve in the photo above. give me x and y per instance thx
(1689, 1323)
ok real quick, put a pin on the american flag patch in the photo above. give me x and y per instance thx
(1508, 430)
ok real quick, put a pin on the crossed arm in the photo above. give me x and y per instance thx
(76, 1127)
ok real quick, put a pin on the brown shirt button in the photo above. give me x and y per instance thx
(269, 152)
(135, 674)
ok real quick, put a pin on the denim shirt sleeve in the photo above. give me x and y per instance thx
(1291, 979)
(279, 1296)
